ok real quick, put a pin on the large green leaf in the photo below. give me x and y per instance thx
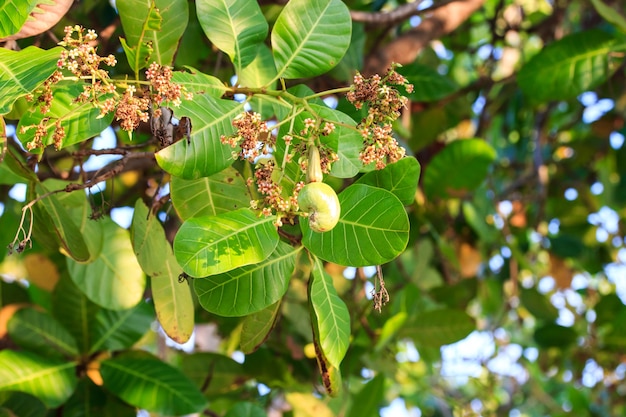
(260, 72)
(114, 280)
(22, 404)
(172, 301)
(81, 121)
(309, 38)
(373, 229)
(257, 327)
(38, 332)
(206, 154)
(13, 15)
(368, 400)
(459, 168)
(209, 196)
(215, 373)
(199, 83)
(50, 380)
(121, 329)
(570, 66)
(63, 224)
(90, 400)
(215, 244)
(162, 27)
(237, 27)
(428, 84)
(149, 383)
(553, 335)
(21, 72)
(331, 315)
(74, 311)
(250, 288)
(439, 327)
(400, 178)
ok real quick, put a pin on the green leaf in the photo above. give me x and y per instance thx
(206, 154)
(215, 244)
(459, 168)
(121, 329)
(66, 230)
(149, 383)
(439, 327)
(368, 401)
(553, 335)
(257, 327)
(114, 280)
(161, 26)
(309, 38)
(538, 304)
(23, 71)
(40, 333)
(22, 405)
(245, 410)
(570, 66)
(330, 315)
(209, 196)
(373, 229)
(74, 311)
(197, 82)
(81, 121)
(260, 72)
(90, 399)
(215, 373)
(399, 178)
(13, 15)
(428, 84)
(237, 27)
(172, 301)
(250, 288)
(610, 15)
(50, 380)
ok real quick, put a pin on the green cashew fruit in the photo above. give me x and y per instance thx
(320, 201)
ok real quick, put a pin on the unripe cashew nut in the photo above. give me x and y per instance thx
(321, 202)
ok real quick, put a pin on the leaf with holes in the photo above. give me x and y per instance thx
(212, 245)
(250, 288)
(205, 154)
(236, 27)
(309, 38)
(373, 229)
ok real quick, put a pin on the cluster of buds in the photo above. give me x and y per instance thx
(383, 103)
(160, 78)
(253, 137)
(312, 130)
(273, 201)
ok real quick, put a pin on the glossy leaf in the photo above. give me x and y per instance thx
(236, 27)
(570, 66)
(428, 84)
(197, 82)
(260, 72)
(141, 26)
(309, 38)
(459, 168)
(13, 15)
(400, 178)
(114, 280)
(331, 315)
(40, 333)
(50, 380)
(149, 383)
(23, 71)
(216, 244)
(250, 288)
(372, 230)
(117, 330)
(206, 154)
(436, 328)
(172, 301)
(74, 311)
(66, 230)
(257, 327)
(81, 121)
(209, 196)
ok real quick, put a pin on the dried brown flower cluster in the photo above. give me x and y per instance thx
(252, 137)
(384, 103)
(274, 202)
